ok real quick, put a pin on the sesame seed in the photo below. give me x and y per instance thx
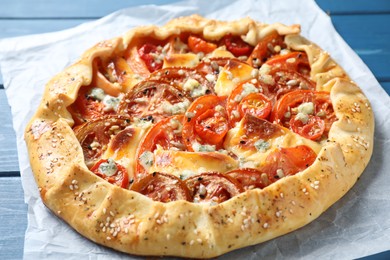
(104, 229)
(112, 213)
(304, 189)
(168, 236)
(281, 195)
(108, 219)
(192, 242)
(265, 225)
(199, 240)
(71, 187)
(278, 213)
(74, 182)
(104, 210)
(115, 234)
(126, 230)
(108, 238)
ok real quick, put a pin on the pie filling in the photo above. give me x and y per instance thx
(191, 119)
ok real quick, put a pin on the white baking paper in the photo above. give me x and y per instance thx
(356, 226)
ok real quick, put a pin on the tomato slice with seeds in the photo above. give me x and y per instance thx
(313, 129)
(241, 101)
(206, 122)
(112, 172)
(318, 121)
(287, 81)
(153, 100)
(287, 161)
(256, 104)
(198, 44)
(166, 134)
(213, 187)
(296, 61)
(96, 134)
(186, 80)
(250, 178)
(149, 54)
(236, 45)
(86, 107)
(265, 49)
(162, 187)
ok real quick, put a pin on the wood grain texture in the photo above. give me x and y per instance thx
(13, 218)
(341, 7)
(76, 9)
(8, 153)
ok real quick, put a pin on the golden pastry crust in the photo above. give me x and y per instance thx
(130, 222)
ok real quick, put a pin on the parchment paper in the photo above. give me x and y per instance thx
(356, 226)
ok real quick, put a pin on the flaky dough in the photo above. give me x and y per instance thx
(145, 227)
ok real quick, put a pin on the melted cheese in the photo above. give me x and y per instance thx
(231, 75)
(185, 164)
(123, 147)
(221, 52)
(181, 60)
(254, 158)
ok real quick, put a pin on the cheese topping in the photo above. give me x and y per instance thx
(108, 168)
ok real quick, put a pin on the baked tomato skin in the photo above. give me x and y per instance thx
(198, 44)
(96, 134)
(250, 178)
(313, 125)
(148, 53)
(265, 49)
(162, 187)
(236, 45)
(295, 61)
(112, 172)
(205, 122)
(166, 134)
(213, 187)
(153, 100)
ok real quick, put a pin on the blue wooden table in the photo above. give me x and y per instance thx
(363, 24)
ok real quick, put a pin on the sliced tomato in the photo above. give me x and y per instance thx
(197, 44)
(166, 134)
(286, 109)
(287, 161)
(265, 49)
(313, 129)
(86, 108)
(236, 45)
(213, 187)
(254, 129)
(250, 178)
(162, 187)
(149, 54)
(296, 61)
(287, 81)
(153, 100)
(112, 172)
(182, 77)
(206, 122)
(96, 134)
(238, 102)
(256, 104)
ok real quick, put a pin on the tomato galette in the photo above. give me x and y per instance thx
(198, 137)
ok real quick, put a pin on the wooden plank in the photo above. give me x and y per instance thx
(8, 153)
(369, 36)
(341, 7)
(72, 9)
(13, 218)
(386, 86)
(19, 27)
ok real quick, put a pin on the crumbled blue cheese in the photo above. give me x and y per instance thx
(203, 147)
(302, 117)
(191, 84)
(306, 108)
(261, 145)
(111, 103)
(97, 94)
(267, 79)
(195, 88)
(265, 69)
(185, 174)
(146, 159)
(280, 173)
(248, 88)
(108, 168)
(210, 77)
(142, 123)
(178, 108)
